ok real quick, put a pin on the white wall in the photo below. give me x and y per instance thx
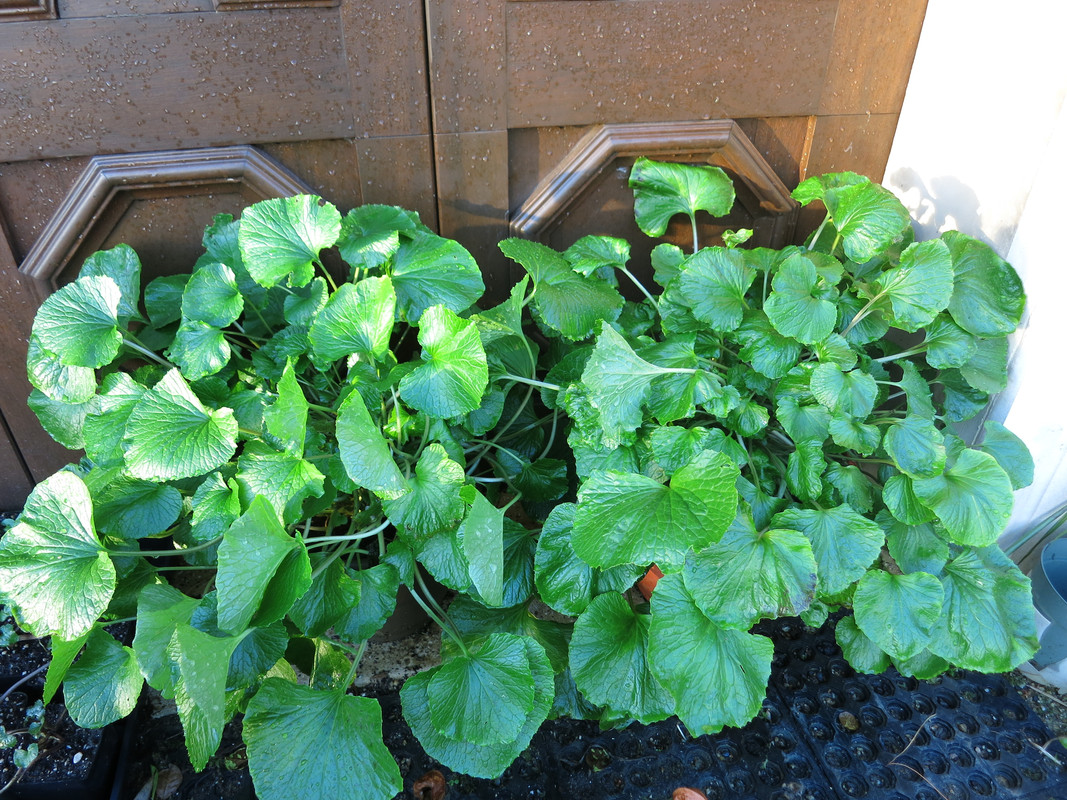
(981, 147)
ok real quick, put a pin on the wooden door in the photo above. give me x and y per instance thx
(137, 120)
(539, 106)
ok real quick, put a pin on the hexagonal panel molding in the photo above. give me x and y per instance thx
(158, 202)
(580, 187)
(20, 10)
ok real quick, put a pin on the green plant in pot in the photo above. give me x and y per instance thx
(269, 456)
(772, 430)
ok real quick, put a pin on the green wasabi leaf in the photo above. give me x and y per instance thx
(769, 353)
(609, 660)
(961, 400)
(568, 302)
(863, 654)
(262, 570)
(916, 446)
(378, 586)
(917, 390)
(283, 479)
(211, 296)
(804, 470)
(598, 255)
(52, 566)
(56, 380)
(163, 299)
(899, 496)
(795, 308)
(854, 486)
(122, 265)
(331, 595)
(481, 761)
(803, 423)
(947, 344)
(104, 684)
(619, 382)
(972, 498)
(987, 296)
(481, 538)
(365, 452)
(370, 234)
(666, 262)
(63, 654)
(454, 373)
(898, 612)
(483, 696)
(289, 727)
(920, 286)
(303, 304)
(868, 217)
(132, 509)
(748, 575)
(850, 393)
(564, 581)
(200, 663)
(160, 610)
(1010, 452)
(925, 666)
(988, 619)
(915, 548)
(631, 519)
(170, 435)
(286, 418)
(215, 506)
(358, 318)
(428, 270)
(80, 323)
(199, 349)
(697, 659)
(280, 239)
(844, 542)
(64, 422)
(713, 283)
(663, 190)
(987, 368)
(433, 503)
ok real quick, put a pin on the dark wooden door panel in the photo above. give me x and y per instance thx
(816, 84)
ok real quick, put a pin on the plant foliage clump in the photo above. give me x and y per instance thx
(771, 428)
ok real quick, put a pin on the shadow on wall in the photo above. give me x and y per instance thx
(945, 203)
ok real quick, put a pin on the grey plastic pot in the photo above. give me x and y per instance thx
(1049, 585)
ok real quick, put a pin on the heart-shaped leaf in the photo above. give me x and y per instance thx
(898, 612)
(663, 190)
(281, 238)
(358, 318)
(454, 373)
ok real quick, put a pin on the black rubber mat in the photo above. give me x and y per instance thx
(824, 733)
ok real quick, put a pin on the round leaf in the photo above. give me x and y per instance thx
(697, 660)
(916, 446)
(484, 696)
(428, 270)
(713, 283)
(972, 498)
(625, 518)
(79, 322)
(609, 660)
(356, 319)
(748, 575)
(845, 543)
(564, 581)
(171, 435)
(662, 190)
(304, 742)
(52, 566)
(281, 238)
(863, 654)
(104, 684)
(454, 373)
(898, 612)
(920, 286)
(987, 296)
(794, 307)
(211, 296)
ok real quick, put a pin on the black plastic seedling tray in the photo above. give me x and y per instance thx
(825, 733)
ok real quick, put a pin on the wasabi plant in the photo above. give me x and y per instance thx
(772, 429)
(271, 454)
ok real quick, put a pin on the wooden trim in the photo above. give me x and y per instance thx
(717, 141)
(20, 10)
(266, 5)
(115, 180)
